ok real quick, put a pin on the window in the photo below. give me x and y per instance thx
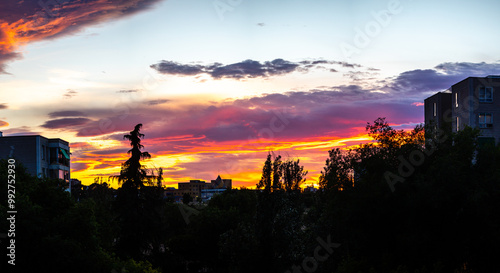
(458, 124)
(434, 109)
(486, 94)
(485, 120)
(456, 99)
(43, 152)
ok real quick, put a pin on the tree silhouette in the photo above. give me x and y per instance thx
(336, 173)
(293, 175)
(132, 174)
(277, 172)
(265, 180)
(279, 175)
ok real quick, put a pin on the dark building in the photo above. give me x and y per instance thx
(220, 183)
(41, 156)
(476, 105)
(438, 110)
(473, 103)
(199, 188)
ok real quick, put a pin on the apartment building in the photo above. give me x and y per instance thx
(41, 156)
(475, 102)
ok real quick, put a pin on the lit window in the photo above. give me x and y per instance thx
(486, 94)
(456, 99)
(485, 120)
(435, 109)
(458, 124)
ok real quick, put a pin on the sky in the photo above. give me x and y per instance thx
(219, 84)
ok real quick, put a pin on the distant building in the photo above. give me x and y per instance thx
(193, 188)
(310, 189)
(220, 183)
(217, 186)
(41, 156)
(199, 188)
(473, 103)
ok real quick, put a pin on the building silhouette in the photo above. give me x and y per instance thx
(199, 189)
(472, 102)
(41, 156)
(438, 111)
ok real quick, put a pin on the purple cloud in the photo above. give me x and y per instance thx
(65, 123)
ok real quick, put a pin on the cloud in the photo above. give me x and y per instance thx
(103, 166)
(20, 131)
(261, 24)
(78, 166)
(65, 123)
(69, 94)
(30, 21)
(3, 106)
(441, 77)
(233, 135)
(66, 114)
(157, 102)
(3, 123)
(173, 68)
(245, 69)
(128, 91)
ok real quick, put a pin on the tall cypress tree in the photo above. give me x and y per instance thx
(133, 174)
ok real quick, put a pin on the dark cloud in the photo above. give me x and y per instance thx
(245, 69)
(66, 114)
(31, 21)
(261, 24)
(110, 151)
(3, 106)
(441, 77)
(64, 123)
(466, 69)
(173, 68)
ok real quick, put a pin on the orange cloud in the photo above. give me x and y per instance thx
(239, 161)
(31, 21)
(3, 123)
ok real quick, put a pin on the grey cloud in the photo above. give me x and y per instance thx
(244, 69)
(173, 68)
(65, 122)
(66, 114)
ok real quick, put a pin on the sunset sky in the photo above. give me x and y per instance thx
(219, 84)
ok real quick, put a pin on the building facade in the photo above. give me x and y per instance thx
(438, 111)
(475, 102)
(42, 157)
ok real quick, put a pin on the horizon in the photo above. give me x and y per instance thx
(218, 85)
